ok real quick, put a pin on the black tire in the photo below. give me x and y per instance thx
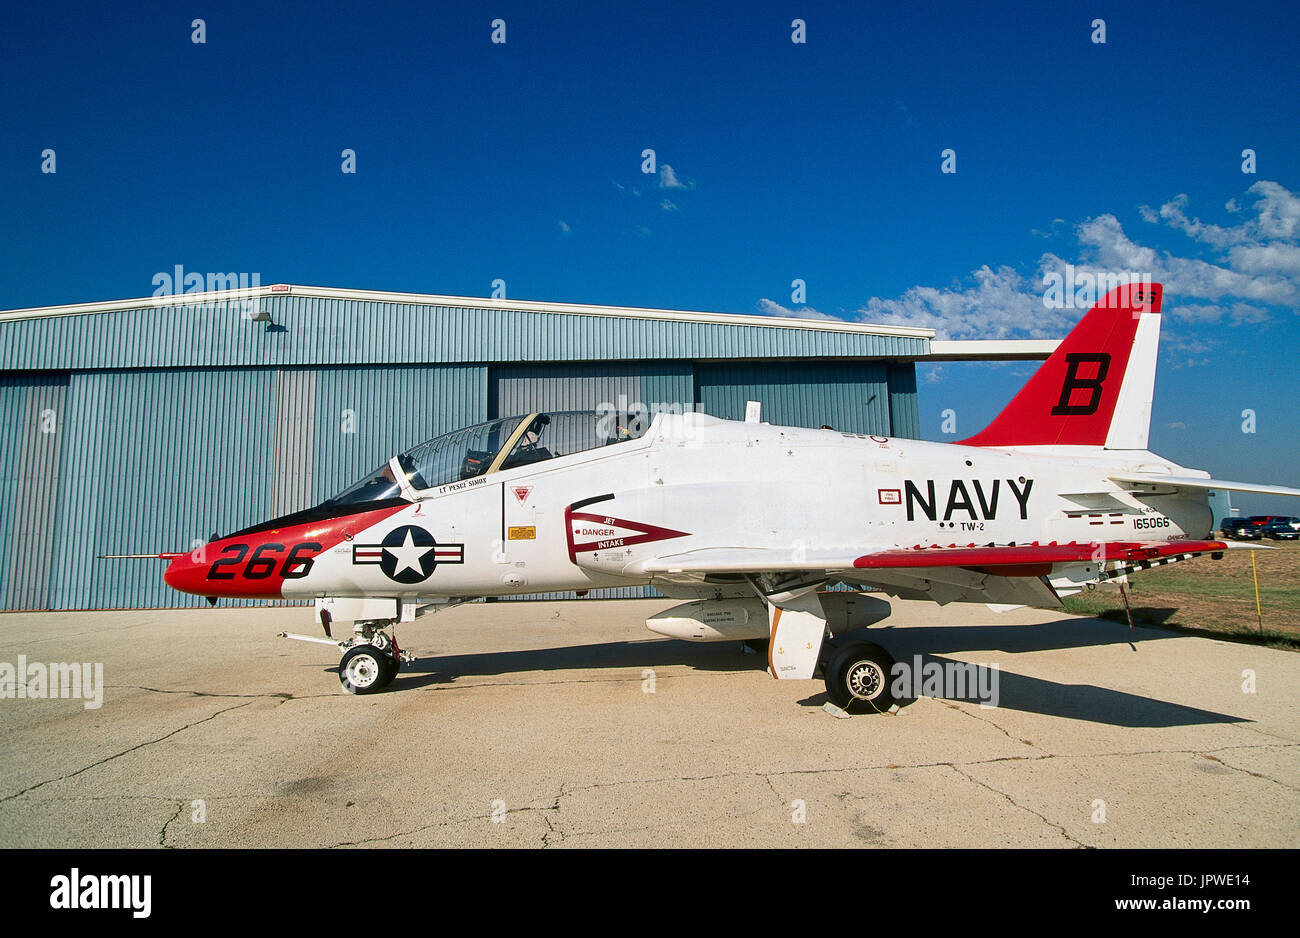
(858, 678)
(393, 666)
(365, 669)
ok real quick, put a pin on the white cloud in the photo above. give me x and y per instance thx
(1238, 313)
(1000, 304)
(1277, 211)
(1262, 272)
(1176, 340)
(668, 205)
(1266, 258)
(563, 226)
(771, 308)
(668, 179)
(1172, 214)
(1254, 265)
(1052, 232)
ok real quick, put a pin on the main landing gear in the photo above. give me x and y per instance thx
(857, 676)
(371, 658)
(810, 629)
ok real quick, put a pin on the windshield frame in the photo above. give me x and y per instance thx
(404, 468)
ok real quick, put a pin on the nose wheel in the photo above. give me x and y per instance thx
(371, 658)
(365, 669)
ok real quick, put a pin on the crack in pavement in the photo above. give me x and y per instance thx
(1267, 778)
(203, 693)
(124, 752)
(553, 829)
(448, 823)
(1264, 732)
(162, 834)
(1012, 801)
(975, 716)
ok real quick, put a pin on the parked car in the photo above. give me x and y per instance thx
(1240, 529)
(1280, 531)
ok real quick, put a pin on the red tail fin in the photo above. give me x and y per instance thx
(1095, 390)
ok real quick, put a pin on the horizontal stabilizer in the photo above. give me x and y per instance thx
(1192, 482)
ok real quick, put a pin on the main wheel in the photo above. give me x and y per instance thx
(393, 666)
(858, 677)
(365, 669)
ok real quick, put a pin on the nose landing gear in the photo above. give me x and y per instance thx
(371, 658)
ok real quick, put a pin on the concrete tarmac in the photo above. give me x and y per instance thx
(570, 725)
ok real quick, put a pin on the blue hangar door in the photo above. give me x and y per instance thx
(850, 396)
(31, 443)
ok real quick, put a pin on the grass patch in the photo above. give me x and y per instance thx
(1211, 597)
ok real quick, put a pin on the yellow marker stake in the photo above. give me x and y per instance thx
(1255, 574)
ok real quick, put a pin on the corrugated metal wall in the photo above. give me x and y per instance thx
(852, 396)
(295, 406)
(904, 412)
(31, 484)
(522, 389)
(13, 407)
(153, 461)
(366, 415)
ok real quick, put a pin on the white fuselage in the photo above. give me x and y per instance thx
(695, 482)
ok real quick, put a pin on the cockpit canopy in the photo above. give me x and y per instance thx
(494, 446)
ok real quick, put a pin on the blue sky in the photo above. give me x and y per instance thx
(818, 161)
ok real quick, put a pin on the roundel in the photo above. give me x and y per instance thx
(408, 554)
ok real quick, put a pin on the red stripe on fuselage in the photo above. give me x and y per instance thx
(256, 565)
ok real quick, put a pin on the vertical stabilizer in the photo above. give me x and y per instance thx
(1097, 387)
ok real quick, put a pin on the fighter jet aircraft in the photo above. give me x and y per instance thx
(751, 522)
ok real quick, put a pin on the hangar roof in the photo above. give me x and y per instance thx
(300, 325)
(304, 325)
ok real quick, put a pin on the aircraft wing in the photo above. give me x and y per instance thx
(1014, 560)
(1006, 560)
(1006, 574)
(1192, 482)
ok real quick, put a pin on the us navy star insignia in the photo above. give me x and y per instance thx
(408, 554)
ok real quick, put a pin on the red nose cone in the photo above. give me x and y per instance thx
(238, 567)
(185, 575)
